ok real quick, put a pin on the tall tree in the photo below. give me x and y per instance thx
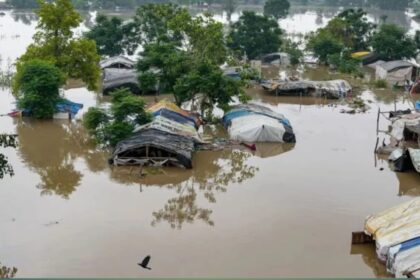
(108, 35)
(392, 42)
(37, 85)
(54, 41)
(255, 35)
(277, 8)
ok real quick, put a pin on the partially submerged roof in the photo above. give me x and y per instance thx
(116, 78)
(152, 145)
(395, 65)
(117, 62)
(256, 123)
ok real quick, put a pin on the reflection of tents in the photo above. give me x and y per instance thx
(267, 150)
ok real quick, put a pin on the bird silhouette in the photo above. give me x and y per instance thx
(145, 262)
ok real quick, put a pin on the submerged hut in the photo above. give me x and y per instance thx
(150, 146)
(255, 123)
(397, 72)
(169, 139)
(279, 58)
(114, 78)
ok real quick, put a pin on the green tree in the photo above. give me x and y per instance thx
(391, 42)
(54, 41)
(37, 86)
(255, 35)
(108, 35)
(215, 88)
(323, 44)
(111, 126)
(277, 8)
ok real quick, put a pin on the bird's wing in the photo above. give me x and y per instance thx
(146, 261)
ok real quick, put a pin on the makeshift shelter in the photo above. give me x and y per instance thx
(156, 147)
(169, 139)
(120, 78)
(255, 123)
(276, 58)
(397, 235)
(330, 89)
(397, 72)
(119, 62)
(65, 109)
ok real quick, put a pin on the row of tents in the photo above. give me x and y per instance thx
(172, 137)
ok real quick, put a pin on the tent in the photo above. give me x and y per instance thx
(119, 62)
(397, 72)
(119, 78)
(154, 146)
(276, 58)
(256, 123)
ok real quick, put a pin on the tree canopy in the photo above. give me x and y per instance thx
(255, 35)
(392, 42)
(37, 85)
(54, 41)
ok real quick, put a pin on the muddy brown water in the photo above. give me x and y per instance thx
(287, 210)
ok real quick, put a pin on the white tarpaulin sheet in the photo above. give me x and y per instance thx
(405, 262)
(394, 226)
(256, 128)
(415, 158)
(399, 125)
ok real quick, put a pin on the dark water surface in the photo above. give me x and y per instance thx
(284, 211)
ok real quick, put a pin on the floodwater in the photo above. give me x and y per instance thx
(285, 211)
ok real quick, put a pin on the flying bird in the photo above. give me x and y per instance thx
(145, 262)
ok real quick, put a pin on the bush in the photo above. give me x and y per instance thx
(37, 86)
(118, 123)
(381, 84)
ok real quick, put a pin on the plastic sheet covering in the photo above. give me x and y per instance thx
(396, 154)
(394, 226)
(256, 128)
(415, 158)
(117, 62)
(399, 125)
(168, 125)
(116, 78)
(173, 107)
(404, 258)
(333, 89)
(252, 108)
(172, 115)
(131, 151)
(67, 106)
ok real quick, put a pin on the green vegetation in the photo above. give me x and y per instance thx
(110, 127)
(292, 48)
(6, 141)
(254, 35)
(391, 42)
(277, 8)
(54, 42)
(381, 84)
(108, 35)
(37, 87)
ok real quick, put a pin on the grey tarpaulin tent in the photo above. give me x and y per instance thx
(119, 78)
(119, 62)
(155, 147)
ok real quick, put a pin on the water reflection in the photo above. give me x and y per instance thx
(213, 173)
(51, 149)
(369, 257)
(25, 18)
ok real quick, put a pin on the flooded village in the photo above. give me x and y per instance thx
(190, 151)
